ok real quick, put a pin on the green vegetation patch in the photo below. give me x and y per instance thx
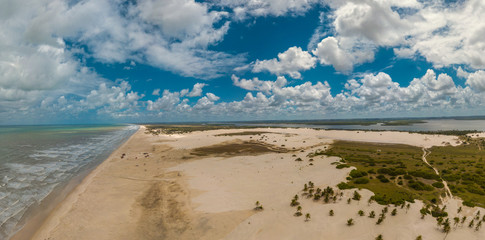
(394, 172)
(463, 167)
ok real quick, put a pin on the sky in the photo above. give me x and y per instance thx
(137, 61)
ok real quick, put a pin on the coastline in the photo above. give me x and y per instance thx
(41, 213)
(200, 185)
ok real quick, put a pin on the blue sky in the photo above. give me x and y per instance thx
(102, 61)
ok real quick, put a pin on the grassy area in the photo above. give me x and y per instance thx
(463, 167)
(394, 172)
(181, 129)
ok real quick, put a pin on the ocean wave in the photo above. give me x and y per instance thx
(27, 180)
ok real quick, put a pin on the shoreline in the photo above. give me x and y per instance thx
(40, 214)
(201, 185)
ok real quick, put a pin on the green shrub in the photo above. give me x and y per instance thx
(340, 166)
(343, 186)
(438, 185)
(362, 180)
(420, 186)
(357, 173)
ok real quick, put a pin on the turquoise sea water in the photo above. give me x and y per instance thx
(34, 160)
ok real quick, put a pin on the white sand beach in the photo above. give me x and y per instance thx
(160, 189)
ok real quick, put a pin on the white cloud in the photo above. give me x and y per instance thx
(476, 81)
(258, 85)
(166, 103)
(196, 90)
(156, 92)
(330, 52)
(290, 62)
(245, 8)
(444, 34)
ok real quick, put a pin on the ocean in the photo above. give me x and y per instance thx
(36, 160)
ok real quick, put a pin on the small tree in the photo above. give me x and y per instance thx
(381, 219)
(349, 200)
(307, 217)
(331, 213)
(459, 209)
(471, 224)
(361, 213)
(350, 222)
(258, 207)
(379, 237)
(372, 214)
(456, 220)
(356, 196)
(298, 211)
(479, 224)
(394, 212)
(463, 219)
(419, 237)
(384, 210)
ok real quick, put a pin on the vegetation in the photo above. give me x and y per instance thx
(394, 172)
(258, 206)
(463, 168)
(350, 222)
(157, 129)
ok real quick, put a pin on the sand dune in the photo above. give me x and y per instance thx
(159, 190)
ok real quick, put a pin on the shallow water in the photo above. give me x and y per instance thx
(36, 159)
(429, 125)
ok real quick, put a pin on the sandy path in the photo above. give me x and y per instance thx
(161, 191)
(426, 152)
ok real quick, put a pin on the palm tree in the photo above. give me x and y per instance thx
(439, 221)
(394, 212)
(356, 196)
(381, 219)
(456, 220)
(361, 213)
(384, 210)
(258, 207)
(372, 214)
(331, 213)
(423, 212)
(470, 225)
(298, 211)
(479, 224)
(446, 228)
(350, 222)
(307, 217)
(379, 237)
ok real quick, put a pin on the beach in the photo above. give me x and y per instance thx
(204, 185)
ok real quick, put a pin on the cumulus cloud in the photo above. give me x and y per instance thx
(330, 52)
(411, 28)
(290, 62)
(476, 81)
(196, 90)
(258, 85)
